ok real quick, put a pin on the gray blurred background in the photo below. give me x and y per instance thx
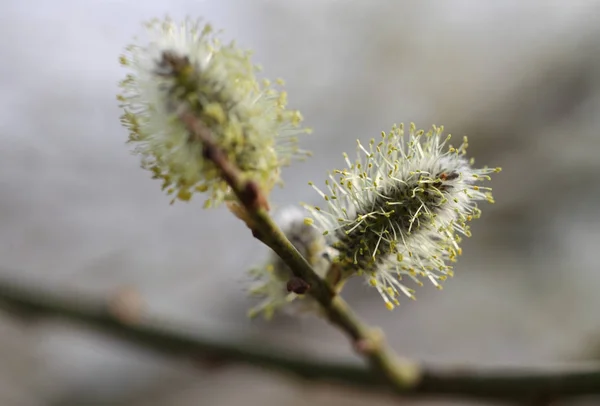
(520, 78)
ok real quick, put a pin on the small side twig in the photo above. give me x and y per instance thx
(399, 373)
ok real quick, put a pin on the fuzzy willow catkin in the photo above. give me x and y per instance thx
(184, 67)
(401, 209)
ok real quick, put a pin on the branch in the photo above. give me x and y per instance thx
(367, 341)
(531, 385)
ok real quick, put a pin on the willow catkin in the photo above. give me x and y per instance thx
(184, 66)
(401, 209)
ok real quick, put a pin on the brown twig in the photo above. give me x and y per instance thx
(247, 191)
(384, 361)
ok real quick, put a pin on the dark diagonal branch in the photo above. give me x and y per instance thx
(367, 341)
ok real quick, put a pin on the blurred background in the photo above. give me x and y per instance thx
(520, 78)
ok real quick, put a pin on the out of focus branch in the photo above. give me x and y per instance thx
(537, 386)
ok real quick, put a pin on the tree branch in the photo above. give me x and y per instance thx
(530, 385)
(367, 341)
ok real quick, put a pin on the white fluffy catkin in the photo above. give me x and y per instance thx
(184, 66)
(401, 209)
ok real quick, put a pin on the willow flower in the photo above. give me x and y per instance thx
(270, 280)
(183, 67)
(401, 209)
